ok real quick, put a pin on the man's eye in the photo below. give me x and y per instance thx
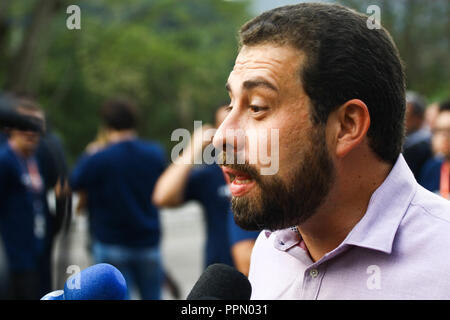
(258, 108)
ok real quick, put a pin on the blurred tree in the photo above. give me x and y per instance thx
(22, 71)
(172, 57)
(421, 30)
(4, 31)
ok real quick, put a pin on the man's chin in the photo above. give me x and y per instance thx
(245, 212)
(254, 214)
(250, 216)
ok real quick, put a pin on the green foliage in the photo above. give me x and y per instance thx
(172, 57)
(421, 31)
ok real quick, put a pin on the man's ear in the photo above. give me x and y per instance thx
(351, 121)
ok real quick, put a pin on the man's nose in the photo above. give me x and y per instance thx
(230, 136)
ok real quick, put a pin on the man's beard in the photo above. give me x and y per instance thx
(280, 205)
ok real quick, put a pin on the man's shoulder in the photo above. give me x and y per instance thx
(432, 206)
(127, 147)
(425, 228)
(423, 239)
(149, 148)
(147, 144)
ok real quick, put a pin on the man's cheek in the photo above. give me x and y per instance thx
(262, 147)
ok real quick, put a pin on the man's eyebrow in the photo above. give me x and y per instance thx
(251, 84)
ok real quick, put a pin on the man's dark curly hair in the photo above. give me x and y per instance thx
(119, 114)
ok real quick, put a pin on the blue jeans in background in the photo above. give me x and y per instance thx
(141, 267)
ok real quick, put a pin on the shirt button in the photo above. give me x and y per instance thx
(314, 273)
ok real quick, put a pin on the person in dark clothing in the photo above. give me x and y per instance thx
(206, 185)
(53, 165)
(25, 223)
(435, 175)
(50, 154)
(241, 243)
(417, 146)
(118, 182)
(183, 181)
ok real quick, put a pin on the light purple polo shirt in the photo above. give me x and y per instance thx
(400, 249)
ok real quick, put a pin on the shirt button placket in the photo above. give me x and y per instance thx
(311, 283)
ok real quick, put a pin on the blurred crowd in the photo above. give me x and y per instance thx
(122, 181)
(427, 143)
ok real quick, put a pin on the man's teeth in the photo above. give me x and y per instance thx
(233, 178)
(237, 181)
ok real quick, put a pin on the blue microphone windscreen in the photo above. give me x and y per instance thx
(98, 282)
(55, 295)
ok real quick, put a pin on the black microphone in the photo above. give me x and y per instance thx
(221, 282)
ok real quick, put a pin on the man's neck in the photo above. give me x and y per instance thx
(115, 136)
(343, 208)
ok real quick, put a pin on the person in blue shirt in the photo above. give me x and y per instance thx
(430, 177)
(118, 182)
(417, 145)
(206, 185)
(53, 168)
(184, 181)
(25, 220)
(241, 244)
(435, 173)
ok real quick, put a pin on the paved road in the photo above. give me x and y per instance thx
(182, 247)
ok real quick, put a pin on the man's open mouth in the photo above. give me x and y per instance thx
(240, 183)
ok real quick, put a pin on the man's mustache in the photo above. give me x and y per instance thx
(245, 168)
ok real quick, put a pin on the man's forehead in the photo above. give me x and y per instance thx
(273, 62)
(267, 54)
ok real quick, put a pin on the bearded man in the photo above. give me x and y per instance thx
(344, 217)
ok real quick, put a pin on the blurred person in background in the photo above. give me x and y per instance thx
(118, 181)
(183, 181)
(52, 160)
(435, 173)
(241, 243)
(417, 146)
(431, 114)
(99, 143)
(51, 155)
(26, 226)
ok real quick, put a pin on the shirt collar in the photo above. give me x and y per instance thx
(387, 206)
(377, 228)
(285, 239)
